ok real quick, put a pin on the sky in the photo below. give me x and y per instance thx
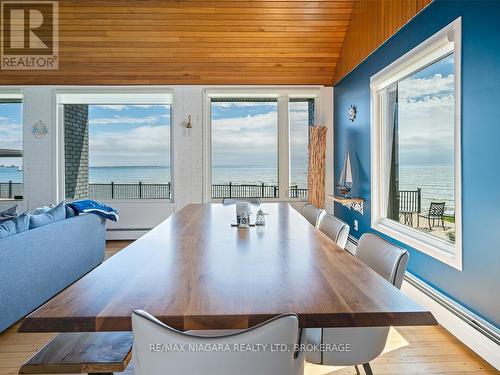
(245, 134)
(426, 115)
(11, 131)
(129, 135)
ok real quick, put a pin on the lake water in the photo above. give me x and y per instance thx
(434, 180)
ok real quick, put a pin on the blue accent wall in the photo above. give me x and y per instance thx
(477, 287)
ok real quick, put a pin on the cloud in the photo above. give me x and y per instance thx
(242, 104)
(426, 130)
(114, 107)
(121, 107)
(253, 139)
(10, 135)
(144, 145)
(247, 140)
(122, 120)
(410, 89)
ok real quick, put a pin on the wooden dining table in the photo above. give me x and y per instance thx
(196, 271)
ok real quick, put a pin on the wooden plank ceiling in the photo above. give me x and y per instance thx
(195, 42)
(371, 24)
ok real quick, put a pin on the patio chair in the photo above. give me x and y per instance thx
(436, 212)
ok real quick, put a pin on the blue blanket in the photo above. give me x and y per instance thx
(90, 206)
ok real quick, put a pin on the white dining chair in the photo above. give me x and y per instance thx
(312, 214)
(366, 343)
(254, 201)
(336, 229)
(160, 349)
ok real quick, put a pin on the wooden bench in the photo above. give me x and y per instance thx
(75, 353)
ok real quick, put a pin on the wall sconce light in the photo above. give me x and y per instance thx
(189, 126)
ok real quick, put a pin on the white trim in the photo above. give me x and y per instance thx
(283, 157)
(264, 92)
(282, 94)
(107, 95)
(434, 48)
(467, 334)
(6, 93)
(111, 95)
(11, 94)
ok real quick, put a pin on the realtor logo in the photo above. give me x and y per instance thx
(29, 35)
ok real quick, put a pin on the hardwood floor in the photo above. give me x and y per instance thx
(409, 350)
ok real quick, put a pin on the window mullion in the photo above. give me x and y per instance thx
(283, 148)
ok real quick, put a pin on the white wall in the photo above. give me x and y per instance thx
(41, 157)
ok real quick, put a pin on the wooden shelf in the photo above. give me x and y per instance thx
(354, 203)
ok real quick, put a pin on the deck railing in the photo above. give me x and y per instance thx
(11, 190)
(112, 190)
(130, 191)
(410, 201)
(231, 190)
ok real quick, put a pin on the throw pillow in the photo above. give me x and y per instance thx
(70, 212)
(14, 226)
(8, 214)
(42, 210)
(55, 214)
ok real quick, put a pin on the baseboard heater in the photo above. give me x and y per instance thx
(458, 310)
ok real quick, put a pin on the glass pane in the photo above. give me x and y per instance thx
(117, 151)
(422, 185)
(11, 149)
(244, 149)
(300, 120)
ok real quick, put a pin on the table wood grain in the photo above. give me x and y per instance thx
(195, 271)
(96, 352)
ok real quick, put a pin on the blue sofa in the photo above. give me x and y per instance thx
(37, 264)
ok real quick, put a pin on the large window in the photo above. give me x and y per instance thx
(117, 151)
(301, 117)
(244, 148)
(248, 155)
(416, 164)
(11, 148)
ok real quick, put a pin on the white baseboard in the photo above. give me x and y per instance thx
(128, 234)
(475, 340)
(454, 319)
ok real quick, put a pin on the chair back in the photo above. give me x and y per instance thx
(336, 229)
(366, 343)
(313, 214)
(254, 201)
(160, 349)
(437, 209)
(388, 260)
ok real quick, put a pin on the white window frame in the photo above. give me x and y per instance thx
(18, 94)
(282, 95)
(442, 43)
(110, 96)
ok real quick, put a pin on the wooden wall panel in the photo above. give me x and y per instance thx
(195, 42)
(372, 23)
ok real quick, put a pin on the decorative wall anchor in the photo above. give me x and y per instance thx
(40, 130)
(353, 111)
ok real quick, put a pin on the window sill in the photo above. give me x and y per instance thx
(448, 253)
(137, 201)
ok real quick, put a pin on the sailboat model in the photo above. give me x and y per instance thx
(345, 181)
